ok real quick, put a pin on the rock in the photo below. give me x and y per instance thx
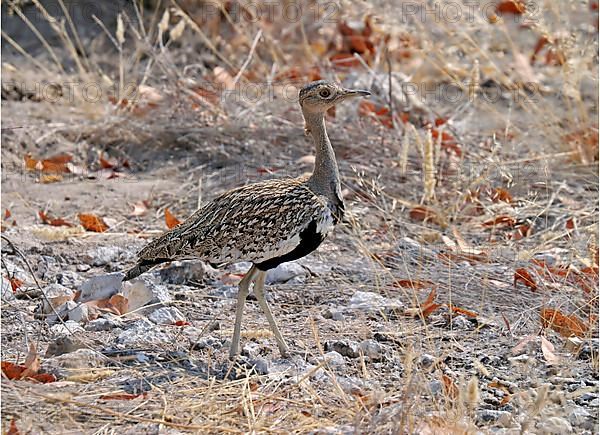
(61, 312)
(180, 272)
(261, 365)
(555, 425)
(104, 255)
(251, 350)
(435, 387)
(285, 272)
(7, 293)
(73, 363)
(371, 349)
(426, 360)
(334, 359)
(64, 344)
(579, 416)
(80, 314)
(144, 291)
(69, 278)
(101, 287)
(208, 342)
(68, 328)
(461, 323)
(102, 324)
(144, 332)
(490, 415)
(224, 291)
(334, 314)
(56, 290)
(373, 302)
(166, 316)
(82, 267)
(343, 347)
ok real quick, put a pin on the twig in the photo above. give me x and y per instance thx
(249, 58)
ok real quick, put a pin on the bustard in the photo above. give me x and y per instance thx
(267, 223)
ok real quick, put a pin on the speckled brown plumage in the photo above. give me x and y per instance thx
(267, 223)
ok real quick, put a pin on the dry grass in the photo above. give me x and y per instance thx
(175, 107)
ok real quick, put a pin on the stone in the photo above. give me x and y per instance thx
(435, 387)
(334, 359)
(208, 342)
(180, 272)
(334, 314)
(80, 314)
(461, 323)
(285, 272)
(144, 332)
(579, 416)
(426, 360)
(166, 316)
(144, 291)
(68, 328)
(251, 349)
(555, 425)
(73, 363)
(371, 349)
(64, 344)
(343, 347)
(373, 302)
(60, 312)
(224, 292)
(56, 290)
(101, 287)
(102, 324)
(69, 278)
(104, 255)
(492, 415)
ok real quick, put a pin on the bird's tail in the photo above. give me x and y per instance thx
(141, 267)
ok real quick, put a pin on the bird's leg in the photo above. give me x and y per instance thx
(243, 290)
(259, 292)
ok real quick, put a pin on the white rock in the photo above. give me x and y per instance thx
(555, 425)
(73, 363)
(56, 290)
(144, 332)
(69, 327)
(102, 324)
(144, 291)
(461, 323)
(285, 272)
(101, 287)
(166, 316)
(62, 311)
(104, 255)
(370, 301)
(80, 314)
(334, 359)
(578, 416)
(371, 348)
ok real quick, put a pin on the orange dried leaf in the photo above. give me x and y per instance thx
(500, 221)
(564, 325)
(56, 222)
(11, 370)
(523, 275)
(499, 194)
(92, 223)
(32, 362)
(7, 214)
(423, 214)
(15, 283)
(429, 309)
(450, 389)
(462, 311)
(171, 220)
(181, 323)
(120, 303)
(512, 7)
(105, 164)
(430, 297)
(12, 428)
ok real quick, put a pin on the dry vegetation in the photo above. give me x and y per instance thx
(472, 188)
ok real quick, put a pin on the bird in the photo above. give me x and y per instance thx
(266, 223)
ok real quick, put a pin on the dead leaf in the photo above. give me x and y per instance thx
(511, 7)
(92, 223)
(564, 325)
(181, 323)
(424, 214)
(522, 275)
(548, 351)
(499, 194)
(12, 428)
(522, 344)
(15, 283)
(171, 220)
(7, 214)
(120, 396)
(55, 222)
(462, 311)
(32, 362)
(450, 389)
(500, 221)
(412, 283)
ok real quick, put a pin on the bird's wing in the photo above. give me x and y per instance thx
(252, 223)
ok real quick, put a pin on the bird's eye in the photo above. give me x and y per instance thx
(325, 93)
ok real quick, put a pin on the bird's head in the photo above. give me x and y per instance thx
(321, 95)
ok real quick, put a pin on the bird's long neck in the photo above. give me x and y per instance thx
(326, 176)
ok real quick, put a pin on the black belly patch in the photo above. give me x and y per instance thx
(310, 240)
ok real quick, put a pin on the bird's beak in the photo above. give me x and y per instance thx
(349, 93)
